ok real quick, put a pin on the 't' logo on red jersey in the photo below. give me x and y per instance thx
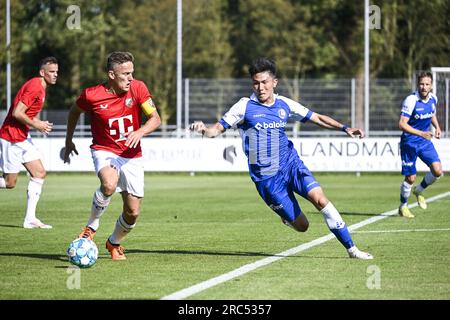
(122, 128)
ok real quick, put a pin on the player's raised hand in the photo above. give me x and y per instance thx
(355, 132)
(69, 148)
(198, 126)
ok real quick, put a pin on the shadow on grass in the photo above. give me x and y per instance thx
(46, 256)
(59, 257)
(241, 254)
(63, 258)
(9, 226)
(209, 253)
(360, 214)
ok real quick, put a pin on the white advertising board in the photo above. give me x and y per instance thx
(226, 155)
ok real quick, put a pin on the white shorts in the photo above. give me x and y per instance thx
(130, 170)
(14, 155)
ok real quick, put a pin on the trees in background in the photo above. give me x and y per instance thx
(321, 38)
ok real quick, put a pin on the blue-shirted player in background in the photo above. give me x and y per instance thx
(274, 164)
(417, 115)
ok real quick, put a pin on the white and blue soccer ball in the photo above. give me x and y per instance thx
(82, 252)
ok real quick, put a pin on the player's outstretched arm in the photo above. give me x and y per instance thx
(72, 119)
(329, 123)
(208, 131)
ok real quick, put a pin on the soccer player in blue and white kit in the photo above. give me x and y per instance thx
(417, 115)
(274, 164)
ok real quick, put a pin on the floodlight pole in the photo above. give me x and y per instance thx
(179, 64)
(366, 67)
(8, 56)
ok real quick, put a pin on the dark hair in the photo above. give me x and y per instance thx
(47, 60)
(118, 57)
(262, 65)
(424, 74)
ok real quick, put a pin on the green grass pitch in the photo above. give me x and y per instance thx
(193, 228)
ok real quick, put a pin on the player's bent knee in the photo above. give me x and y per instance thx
(10, 182)
(136, 214)
(108, 192)
(302, 227)
(410, 179)
(10, 185)
(132, 212)
(301, 224)
(108, 189)
(40, 175)
(130, 218)
(438, 173)
(320, 203)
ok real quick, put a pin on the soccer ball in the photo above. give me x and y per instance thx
(82, 252)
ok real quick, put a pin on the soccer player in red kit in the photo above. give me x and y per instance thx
(16, 146)
(115, 108)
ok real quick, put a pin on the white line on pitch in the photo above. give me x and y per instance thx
(402, 230)
(184, 293)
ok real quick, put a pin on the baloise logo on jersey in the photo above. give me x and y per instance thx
(424, 115)
(270, 125)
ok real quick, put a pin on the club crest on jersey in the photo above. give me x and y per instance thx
(129, 102)
(281, 113)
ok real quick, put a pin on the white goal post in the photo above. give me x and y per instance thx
(441, 79)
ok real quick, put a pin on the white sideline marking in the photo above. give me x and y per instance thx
(404, 230)
(184, 293)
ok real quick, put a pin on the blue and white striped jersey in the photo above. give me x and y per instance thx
(262, 129)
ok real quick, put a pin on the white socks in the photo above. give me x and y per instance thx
(332, 217)
(99, 204)
(33, 195)
(121, 230)
(405, 187)
(405, 191)
(2, 183)
(337, 225)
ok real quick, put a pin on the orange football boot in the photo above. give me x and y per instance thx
(117, 251)
(87, 233)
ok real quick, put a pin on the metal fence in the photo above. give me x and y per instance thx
(209, 99)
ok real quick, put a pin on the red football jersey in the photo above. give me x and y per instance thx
(113, 115)
(32, 94)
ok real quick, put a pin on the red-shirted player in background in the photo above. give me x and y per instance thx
(115, 109)
(16, 146)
